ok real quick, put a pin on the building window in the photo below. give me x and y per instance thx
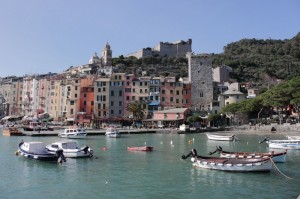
(71, 111)
(120, 112)
(171, 99)
(162, 99)
(84, 103)
(120, 103)
(171, 91)
(177, 92)
(111, 103)
(201, 94)
(84, 95)
(111, 111)
(92, 102)
(120, 93)
(112, 93)
(163, 92)
(99, 89)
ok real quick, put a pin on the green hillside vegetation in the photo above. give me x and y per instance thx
(262, 61)
(252, 60)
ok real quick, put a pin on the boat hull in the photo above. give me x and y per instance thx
(42, 156)
(220, 137)
(253, 165)
(112, 133)
(276, 157)
(73, 136)
(145, 148)
(284, 144)
(74, 153)
(70, 149)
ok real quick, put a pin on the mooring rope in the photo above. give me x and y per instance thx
(279, 170)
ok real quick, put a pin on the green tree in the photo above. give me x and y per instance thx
(135, 108)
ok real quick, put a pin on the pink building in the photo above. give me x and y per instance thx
(169, 118)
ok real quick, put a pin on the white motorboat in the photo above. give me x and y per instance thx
(220, 137)
(70, 149)
(112, 132)
(37, 151)
(276, 156)
(293, 137)
(231, 164)
(73, 132)
(282, 144)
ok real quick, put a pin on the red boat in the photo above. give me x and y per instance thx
(141, 148)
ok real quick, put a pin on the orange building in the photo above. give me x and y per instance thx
(85, 114)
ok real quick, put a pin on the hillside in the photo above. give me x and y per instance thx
(261, 60)
(254, 60)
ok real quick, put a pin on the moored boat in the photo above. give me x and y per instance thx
(276, 156)
(282, 144)
(112, 132)
(220, 137)
(12, 131)
(231, 164)
(73, 132)
(142, 148)
(293, 137)
(37, 151)
(70, 149)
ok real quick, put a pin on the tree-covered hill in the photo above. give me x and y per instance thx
(252, 60)
(261, 60)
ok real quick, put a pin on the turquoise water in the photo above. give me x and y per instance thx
(118, 173)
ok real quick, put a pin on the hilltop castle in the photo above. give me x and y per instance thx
(176, 49)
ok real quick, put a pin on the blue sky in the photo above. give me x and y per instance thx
(38, 37)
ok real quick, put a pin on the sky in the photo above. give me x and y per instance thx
(37, 37)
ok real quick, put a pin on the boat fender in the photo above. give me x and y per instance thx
(17, 153)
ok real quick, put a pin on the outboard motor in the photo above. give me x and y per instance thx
(85, 149)
(192, 153)
(61, 157)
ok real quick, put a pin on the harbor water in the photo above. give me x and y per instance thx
(114, 172)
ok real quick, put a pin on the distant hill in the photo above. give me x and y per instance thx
(252, 60)
(259, 60)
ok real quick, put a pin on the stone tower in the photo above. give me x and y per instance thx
(106, 55)
(201, 79)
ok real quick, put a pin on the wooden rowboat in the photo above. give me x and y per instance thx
(276, 156)
(141, 148)
(231, 164)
